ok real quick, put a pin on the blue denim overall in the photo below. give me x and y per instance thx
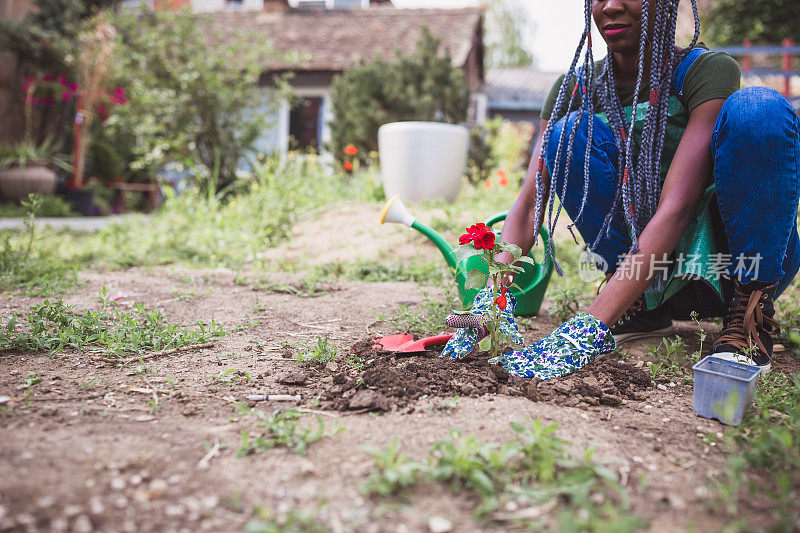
(749, 209)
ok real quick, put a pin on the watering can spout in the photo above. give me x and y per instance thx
(394, 211)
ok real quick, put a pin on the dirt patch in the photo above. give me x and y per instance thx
(390, 381)
(605, 382)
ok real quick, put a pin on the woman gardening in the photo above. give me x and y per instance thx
(687, 197)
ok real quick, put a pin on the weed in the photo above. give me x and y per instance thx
(308, 288)
(536, 470)
(29, 383)
(294, 521)
(184, 296)
(423, 272)
(430, 316)
(55, 326)
(394, 472)
(669, 360)
(231, 376)
(282, 429)
(701, 335)
(566, 304)
(354, 362)
(323, 352)
(37, 274)
(446, 406)
(763, 466)
(94, 383)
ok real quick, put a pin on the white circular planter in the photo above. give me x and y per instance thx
(421, 160)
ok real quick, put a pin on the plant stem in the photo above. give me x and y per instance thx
(495, 318)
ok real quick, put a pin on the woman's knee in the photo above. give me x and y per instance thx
(756, 112)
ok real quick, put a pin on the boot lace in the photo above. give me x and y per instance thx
(743, 320)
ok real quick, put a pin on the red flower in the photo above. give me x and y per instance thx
(348, 166)
(479, 234)
(66, 95)
(118, 97)
(501, 300)
(102, 112)
(350, 150)
(502, 179)
(73, 86)
(488, 184)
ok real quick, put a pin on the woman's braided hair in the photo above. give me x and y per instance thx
(638, 171)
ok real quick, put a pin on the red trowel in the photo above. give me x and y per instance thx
(407, 344)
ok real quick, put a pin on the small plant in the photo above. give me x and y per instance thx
(669, 355)
(323, 352)
(231, 376)
(55, 326)
(566, 304)
(701, 335)
(354, 362)
(29, 383)
(294, 521)
(481, 240)
(282, 429)
(428, 317)
(446, 406)
(394, 472)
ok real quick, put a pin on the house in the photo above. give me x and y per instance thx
(518, 94)
(329, 41)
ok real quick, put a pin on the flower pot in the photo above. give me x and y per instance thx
(421, 160)
(17, 182)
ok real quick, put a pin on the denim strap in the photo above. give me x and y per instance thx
(684, 66)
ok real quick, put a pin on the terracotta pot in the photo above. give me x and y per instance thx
(16, 183)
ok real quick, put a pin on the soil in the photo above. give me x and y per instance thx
(99, 447)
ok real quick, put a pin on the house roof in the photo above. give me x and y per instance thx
(518, 89)
(331, 40)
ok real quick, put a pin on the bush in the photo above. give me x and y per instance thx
(189, 102)
(422, 86)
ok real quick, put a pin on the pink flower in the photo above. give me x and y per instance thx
(66, 95)
(62, 80)
(73, 87)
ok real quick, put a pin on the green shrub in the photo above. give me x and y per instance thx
(422, 86)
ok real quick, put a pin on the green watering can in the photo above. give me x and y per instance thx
(533, 281)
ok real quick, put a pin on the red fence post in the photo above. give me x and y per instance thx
(746, 58)
(787, 67)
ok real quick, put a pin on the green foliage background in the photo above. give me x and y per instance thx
(766, 21)
(188, 102)
(422, 86)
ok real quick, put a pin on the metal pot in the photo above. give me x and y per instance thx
(17, 182)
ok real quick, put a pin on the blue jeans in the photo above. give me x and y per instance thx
(756, 153)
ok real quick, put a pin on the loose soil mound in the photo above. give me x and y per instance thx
(391, 380)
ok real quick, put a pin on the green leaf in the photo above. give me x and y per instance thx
(527, 259)
(485, 344)
(514, 286)
(465, 251)
(475, 280)
(513, 249)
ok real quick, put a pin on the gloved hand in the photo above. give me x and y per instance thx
(473, 327)
(573, 345)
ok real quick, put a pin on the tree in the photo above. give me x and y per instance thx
(505, 23)
(189, 102)
(422, 86)
(766, 21)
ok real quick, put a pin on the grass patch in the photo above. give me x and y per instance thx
(550, 486)
(422, 272)
(321, 351)
(763, 467)
(281, 429)
(55, 326)
(428, 317)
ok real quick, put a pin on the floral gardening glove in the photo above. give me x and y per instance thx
(473, 327)
(573, 345)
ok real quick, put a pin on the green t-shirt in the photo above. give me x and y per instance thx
(713, 75)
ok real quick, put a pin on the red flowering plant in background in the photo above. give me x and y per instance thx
(480, 239)
(350, 153)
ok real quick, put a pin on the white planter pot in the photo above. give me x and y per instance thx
(16, 183)
(421, 160)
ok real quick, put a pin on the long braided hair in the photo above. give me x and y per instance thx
(638, 174)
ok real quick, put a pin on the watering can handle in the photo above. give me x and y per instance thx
(501, 216)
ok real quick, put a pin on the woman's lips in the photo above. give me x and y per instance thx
(616, 31)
